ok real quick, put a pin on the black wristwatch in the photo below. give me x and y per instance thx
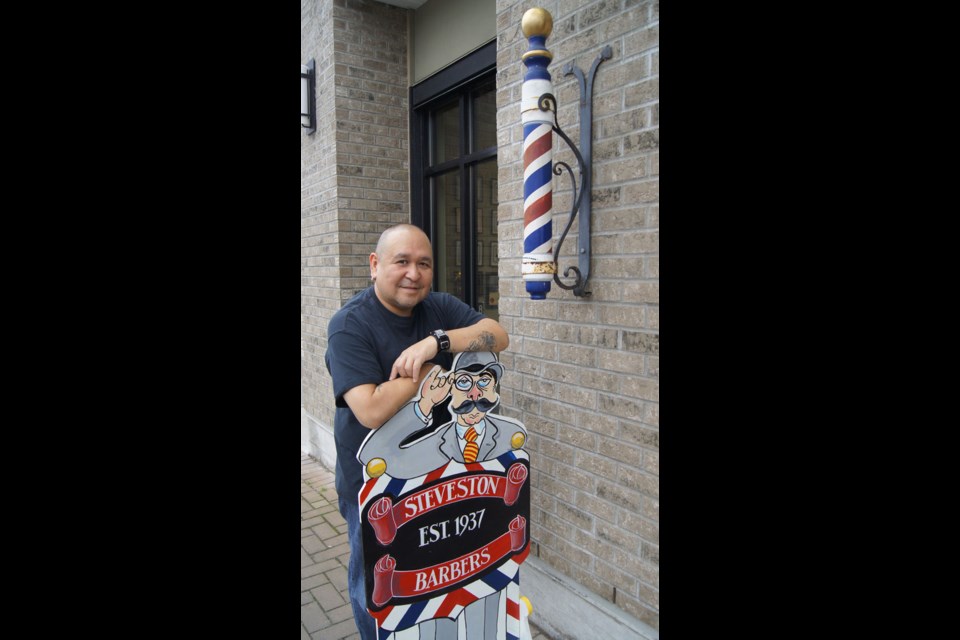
(443, 342)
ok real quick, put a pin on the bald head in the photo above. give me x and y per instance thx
(386, 237)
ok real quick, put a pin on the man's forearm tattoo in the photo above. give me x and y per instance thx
(483, 342)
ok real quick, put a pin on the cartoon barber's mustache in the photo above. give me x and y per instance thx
(468, 406)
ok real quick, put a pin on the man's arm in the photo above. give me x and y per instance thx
(485, 335)
(374, 404)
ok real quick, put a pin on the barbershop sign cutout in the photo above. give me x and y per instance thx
(445, 508)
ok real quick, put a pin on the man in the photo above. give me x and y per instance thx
(409, 449)
(378, 346)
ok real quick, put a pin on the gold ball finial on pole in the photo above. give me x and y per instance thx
(537, 22)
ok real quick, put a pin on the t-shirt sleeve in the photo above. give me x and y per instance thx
(351, 361)
(458, 314)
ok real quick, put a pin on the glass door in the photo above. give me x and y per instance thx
(453, 170)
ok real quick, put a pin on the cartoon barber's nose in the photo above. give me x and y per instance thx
(475, 393)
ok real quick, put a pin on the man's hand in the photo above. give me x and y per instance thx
(408, 363)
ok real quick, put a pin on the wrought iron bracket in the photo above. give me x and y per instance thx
(584, 155)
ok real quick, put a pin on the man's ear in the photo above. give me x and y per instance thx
(373, 266)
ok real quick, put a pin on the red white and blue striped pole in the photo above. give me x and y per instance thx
(538, 265)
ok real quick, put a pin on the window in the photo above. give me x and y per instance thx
(454, 176)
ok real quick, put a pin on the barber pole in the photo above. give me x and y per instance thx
(538, 266)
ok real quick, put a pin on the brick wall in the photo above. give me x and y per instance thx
(584, 373)
(354, 169)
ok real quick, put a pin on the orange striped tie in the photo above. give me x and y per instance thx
(472, 449)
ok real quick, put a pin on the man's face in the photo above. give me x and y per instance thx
(403, 271)
(472, 396)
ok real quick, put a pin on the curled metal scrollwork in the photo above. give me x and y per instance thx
(547, 102)
(558, 170)
(584, 154)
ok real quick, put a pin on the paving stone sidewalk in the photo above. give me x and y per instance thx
(325, 612)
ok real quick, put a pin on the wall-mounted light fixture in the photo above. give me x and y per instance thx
(538, 115)
(308, 110)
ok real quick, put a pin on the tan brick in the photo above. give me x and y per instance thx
(618, 450)
(619, 579)
(632, 168)
(558, 451)
(641, 342)
(575, 516)
(652, 320)
(561, 491)
(590, 580)
(641, 142)
(600, 245)
(555, 559)
(645, 191)
(651, 462)
(577, 311)
(643, 436)
(597, 12)
(525, 364)
(617, 220)
(544, 537)
(620, 406)
(637, 480)
(651, 416)
(578, 558)
(599, 336)
(559, 527)
(653, 367)
(641, 242)
(597, 422)
(539, 387)
(648, 595)
(524, 327)
(573, 395)
(558, 331)
(578, 438)
(546, 309)
(638, 610)
(564, 374)
(541, 427)
(527, 402)
(650, 552)
(596, 464)
(650, 508)
(622, 315)
(577, 355)
(647, 573)
(651, 266)
(642, 388)
(599, 508)
(619, 361)
(557, 411)
(625, 123)
(618, 537)
(603, 380)
(619, 496)
(607, 150)
(645, 529)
